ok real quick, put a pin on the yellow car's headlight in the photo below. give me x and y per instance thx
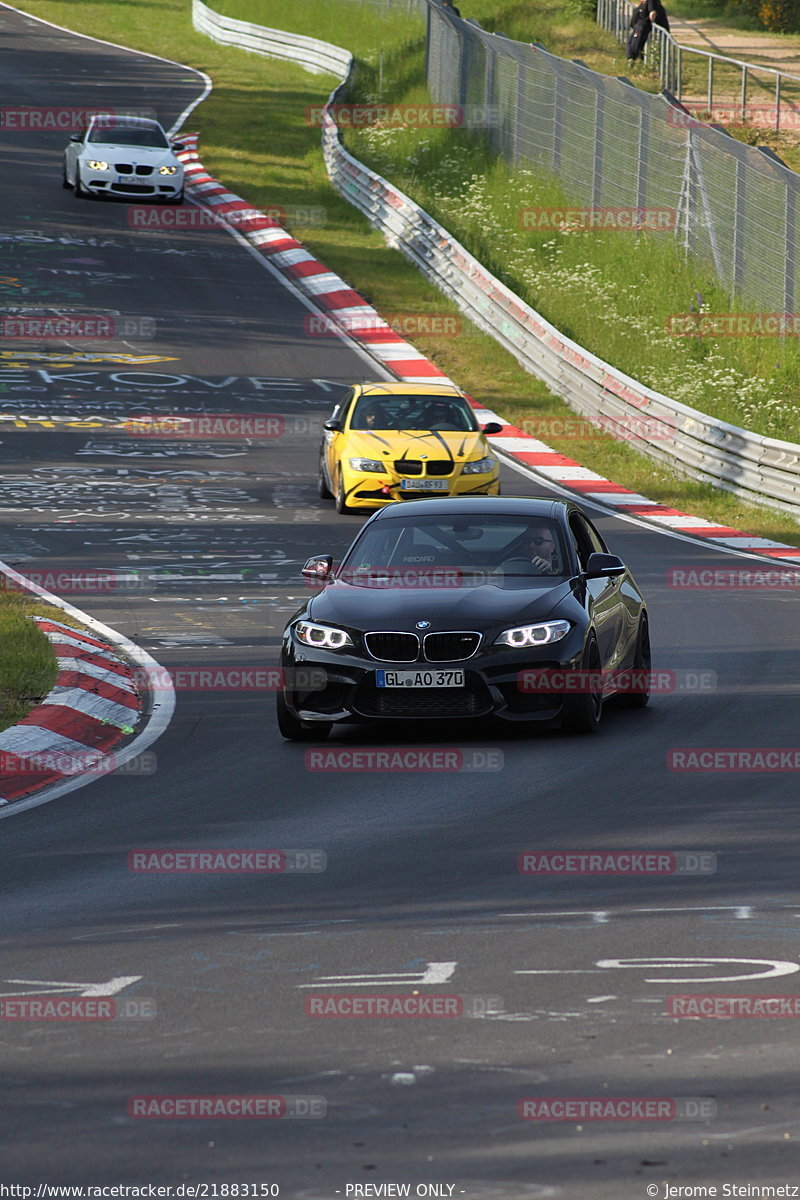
(482, 467)
(367, 464)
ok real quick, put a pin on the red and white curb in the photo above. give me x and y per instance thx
(94, 705)
(345, 308)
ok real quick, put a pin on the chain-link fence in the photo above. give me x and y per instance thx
(737, 207)
(714, 83)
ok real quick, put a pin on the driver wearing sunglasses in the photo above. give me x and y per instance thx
(540, 547)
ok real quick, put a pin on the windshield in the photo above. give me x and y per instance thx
(127, 135)
(448, 414)
(491, 549)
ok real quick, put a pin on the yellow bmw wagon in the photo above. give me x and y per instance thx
(388, 442)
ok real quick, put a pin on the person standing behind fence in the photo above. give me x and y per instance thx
(643, 18)
(449, 4)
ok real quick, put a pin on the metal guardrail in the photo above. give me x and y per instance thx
(667, 55)
(313, 55)
(760, 469)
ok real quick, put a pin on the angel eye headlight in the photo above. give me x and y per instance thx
(534, 635)
(367, 464)
(168, 171)
(97, 164)
(482, 467)
(324, 637)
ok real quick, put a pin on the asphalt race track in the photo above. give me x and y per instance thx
(421, 890)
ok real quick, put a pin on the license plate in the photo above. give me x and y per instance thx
(420, 679)
(126, 178)
(424, 485)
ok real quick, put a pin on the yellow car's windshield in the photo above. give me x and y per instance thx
(445, 414)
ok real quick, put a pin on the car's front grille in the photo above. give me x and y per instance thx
(450, 647)
(420, 703)
(144, 170)
(408, 466)
(139, 188)
(439, 467)
(393, 647)
(124, 168)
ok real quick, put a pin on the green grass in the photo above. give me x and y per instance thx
(27, 662)
(254, 136)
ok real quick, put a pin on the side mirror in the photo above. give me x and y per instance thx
(177, 147)
(318, 568)
(604, 566)
(76, 137)
(333, 425)
(492, 427)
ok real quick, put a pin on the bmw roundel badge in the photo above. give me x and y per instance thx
(422, 625)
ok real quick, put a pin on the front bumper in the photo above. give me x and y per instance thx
(494, 686)
(112, 183)
(368, 489)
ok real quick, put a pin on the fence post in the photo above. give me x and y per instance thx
(557, 110)
(737, 265)
(791, 248)
(597, 157)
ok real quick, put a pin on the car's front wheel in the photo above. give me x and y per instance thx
(294, 729)
(65, 183)
(78, 187)
(322, 483)
(175, 199)
(341, 499)
(642, 663)
(586, 709)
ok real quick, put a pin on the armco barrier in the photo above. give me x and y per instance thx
(319, 57)
(759, 469)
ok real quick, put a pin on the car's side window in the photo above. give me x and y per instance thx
(598, 544)
(581, 538)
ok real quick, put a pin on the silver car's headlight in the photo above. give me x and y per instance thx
(97, 164)
(367, 464)
(525, 636)
(168, 171)
(325, 637)
(482, 467)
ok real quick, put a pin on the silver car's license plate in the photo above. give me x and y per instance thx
(424, 485)
(420, 679)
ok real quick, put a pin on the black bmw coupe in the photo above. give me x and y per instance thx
(468, 609)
